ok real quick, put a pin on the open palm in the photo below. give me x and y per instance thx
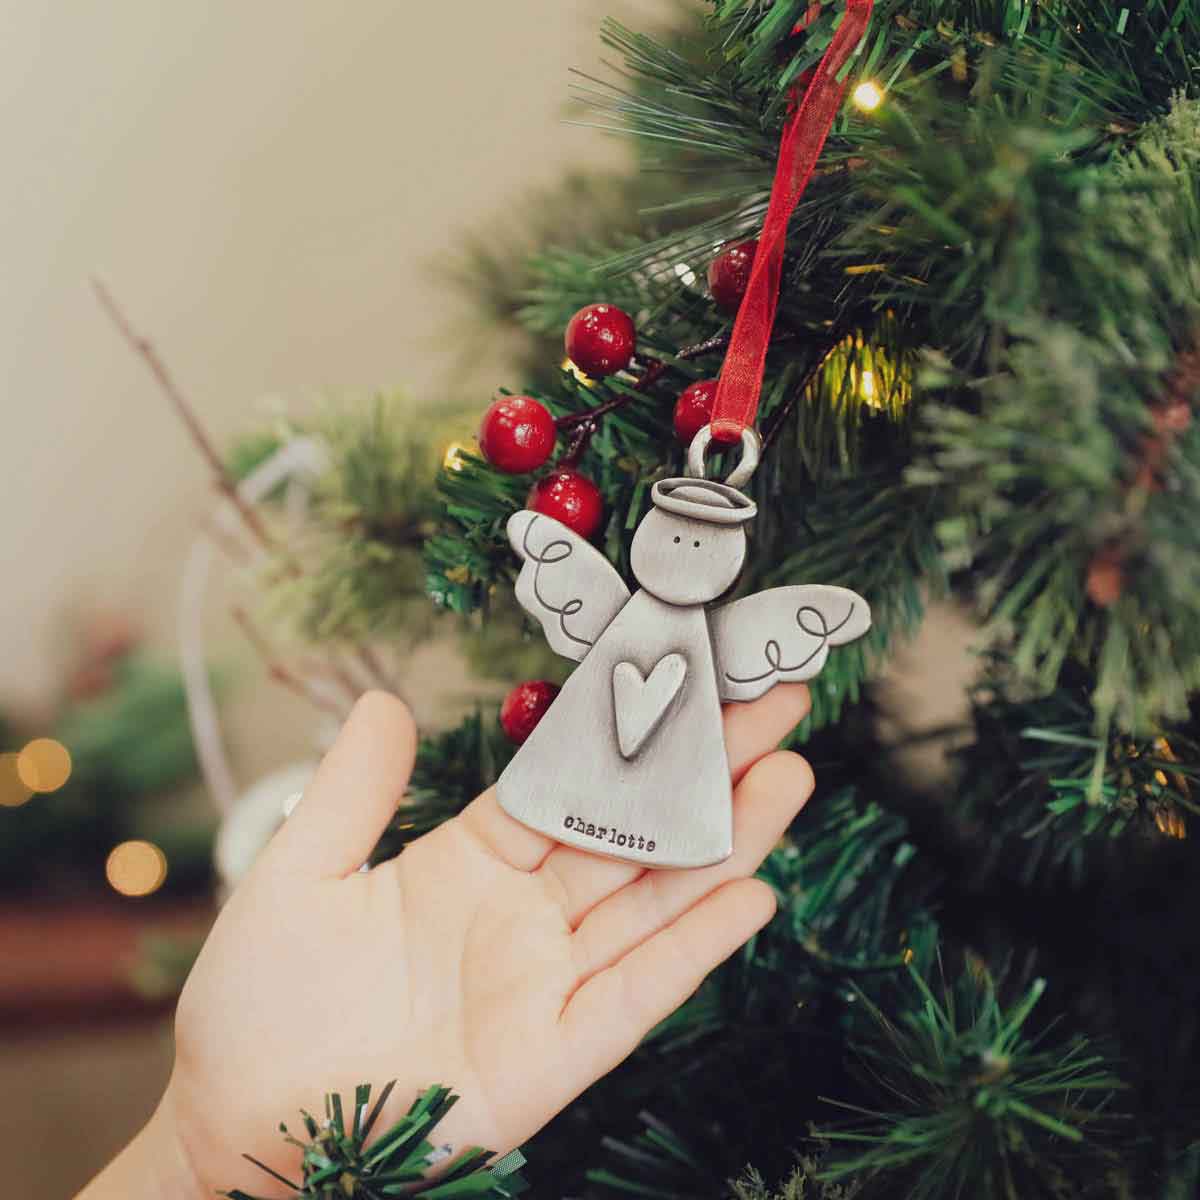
(485, 957)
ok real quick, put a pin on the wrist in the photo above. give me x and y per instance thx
(154, 1166)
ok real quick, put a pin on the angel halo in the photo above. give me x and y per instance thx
(630, 760)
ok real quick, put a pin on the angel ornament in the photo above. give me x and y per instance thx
(630, 760)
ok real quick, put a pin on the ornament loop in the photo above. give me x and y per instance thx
(740, 475)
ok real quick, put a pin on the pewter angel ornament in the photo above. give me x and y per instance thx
(629, 760)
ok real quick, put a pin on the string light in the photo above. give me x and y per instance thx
(868, 96)
(44, 765)
(452, 459)
(136, 868)
(572, 369)
(685, 275)
(866, 374)
(13, 792)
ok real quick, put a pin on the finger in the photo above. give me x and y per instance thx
(765, 804)
(754, 730)
(584, 879)
(354, 793)
(610, 1014)
(502, 835)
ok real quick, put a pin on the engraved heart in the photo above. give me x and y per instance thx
(641, 703)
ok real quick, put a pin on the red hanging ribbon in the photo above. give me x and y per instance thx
(804, 135)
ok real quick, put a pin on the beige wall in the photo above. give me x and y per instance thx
(263, 185)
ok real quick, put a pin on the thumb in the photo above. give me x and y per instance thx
(354, 793)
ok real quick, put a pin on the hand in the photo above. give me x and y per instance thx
(485, 957)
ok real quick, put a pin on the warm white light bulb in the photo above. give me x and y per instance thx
(685, 275)
(868, 96)
(451, 460)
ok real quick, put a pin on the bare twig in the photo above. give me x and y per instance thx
(349, 684)
(790, 403)
(228, 486)
(235, 550)
(280, 672)
(187, 414)
(373, 665)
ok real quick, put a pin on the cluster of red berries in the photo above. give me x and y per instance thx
(518, 435)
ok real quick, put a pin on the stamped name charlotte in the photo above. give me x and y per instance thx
(609, 834)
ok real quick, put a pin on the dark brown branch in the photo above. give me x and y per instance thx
(785, 411)
(584, 433)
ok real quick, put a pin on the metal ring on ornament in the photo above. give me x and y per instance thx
(740, 475)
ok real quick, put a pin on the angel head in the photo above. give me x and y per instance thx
(690, 547)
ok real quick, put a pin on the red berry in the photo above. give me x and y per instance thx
(517, 434)
(524, 707)
(570, 497)
(600, 339)
(693, 409)
(729, 274)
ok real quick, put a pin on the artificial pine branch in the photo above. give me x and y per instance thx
(337, 1163)
(970, 1103)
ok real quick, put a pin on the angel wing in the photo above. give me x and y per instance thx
(782, 635)
(565, 582)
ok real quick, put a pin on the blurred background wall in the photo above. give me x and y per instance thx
(264, 187)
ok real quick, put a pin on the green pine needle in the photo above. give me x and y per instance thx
(337, 1164)
(973, 1103)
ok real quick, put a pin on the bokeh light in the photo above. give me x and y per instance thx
(136, 868)
(868, 96)
(44, 765)
(13, 792)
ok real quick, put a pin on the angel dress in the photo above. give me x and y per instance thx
(630, 758)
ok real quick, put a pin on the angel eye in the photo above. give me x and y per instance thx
(677, 539)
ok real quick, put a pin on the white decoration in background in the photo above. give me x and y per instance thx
(253, 820)
(248, 821)
(299, 462)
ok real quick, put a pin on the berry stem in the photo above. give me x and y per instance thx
(584, 431)
(655, 370)
(585, 424)
(772, 434)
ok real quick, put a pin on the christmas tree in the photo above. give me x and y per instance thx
(979, 382)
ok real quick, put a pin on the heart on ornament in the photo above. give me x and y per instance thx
(642, 702)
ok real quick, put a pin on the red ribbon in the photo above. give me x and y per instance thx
(804, 135)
